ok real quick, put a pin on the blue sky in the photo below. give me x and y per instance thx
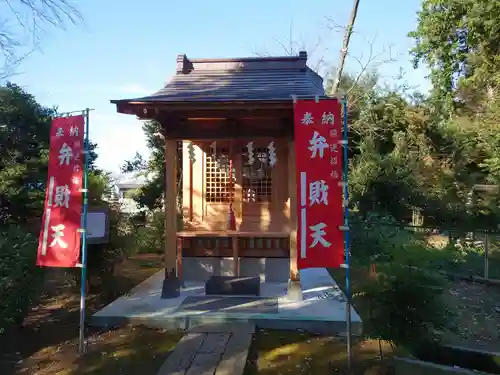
(128, 48)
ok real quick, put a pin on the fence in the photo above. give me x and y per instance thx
(472, 254)
(398, 280)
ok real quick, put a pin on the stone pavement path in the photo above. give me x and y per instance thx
(214, 349)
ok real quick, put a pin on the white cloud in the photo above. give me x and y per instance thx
(118, 138)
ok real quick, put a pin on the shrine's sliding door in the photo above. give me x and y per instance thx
(258, 159)
(256, 187)
(219, 184)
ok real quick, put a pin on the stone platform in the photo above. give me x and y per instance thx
(322, 310)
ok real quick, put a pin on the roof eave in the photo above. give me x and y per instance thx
(134, 106)
(197, 104)
(201, 101)
(214, 101)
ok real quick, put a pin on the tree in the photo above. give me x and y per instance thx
(24, 141)
(150, 195)
(459, 40)
(24, 145)
(22, 24)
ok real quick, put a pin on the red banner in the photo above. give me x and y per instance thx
(318, 153)
(59, 243)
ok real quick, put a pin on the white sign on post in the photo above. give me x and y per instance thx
(97, 225)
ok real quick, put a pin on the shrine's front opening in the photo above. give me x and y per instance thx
(245, 176)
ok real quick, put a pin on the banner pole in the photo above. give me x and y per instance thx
(81, 343)
(346, 238)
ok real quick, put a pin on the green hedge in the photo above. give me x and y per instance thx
(403, 302)
(149, 233)
(103, 258)
(20, 278)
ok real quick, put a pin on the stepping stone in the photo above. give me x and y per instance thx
(235, 357)
(222, 351)
(179, 361)
(240, 327)
(214, 343)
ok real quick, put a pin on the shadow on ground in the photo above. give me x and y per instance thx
(285, 352)
(50, 330)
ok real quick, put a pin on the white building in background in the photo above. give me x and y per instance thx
(125, 184)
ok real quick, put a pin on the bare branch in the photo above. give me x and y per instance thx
(316, 52)
(23, 23)
(11, 66)
(369, 61)
(373, 62)
(332, 25)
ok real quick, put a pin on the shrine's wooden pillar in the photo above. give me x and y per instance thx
(171, 283)
(294, 288)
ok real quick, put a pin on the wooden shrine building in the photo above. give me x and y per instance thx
(228, 127)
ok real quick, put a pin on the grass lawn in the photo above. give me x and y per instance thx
(294, 353)
(47, 341)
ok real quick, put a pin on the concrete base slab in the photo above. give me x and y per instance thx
(322, 309)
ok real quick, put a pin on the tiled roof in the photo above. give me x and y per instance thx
(243, 79)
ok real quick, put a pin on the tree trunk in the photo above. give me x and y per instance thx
(345, 46)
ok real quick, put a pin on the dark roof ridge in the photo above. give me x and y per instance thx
(246, 70)
(249, 59)
(186, 65)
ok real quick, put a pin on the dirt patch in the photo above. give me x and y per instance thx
(138, 350)
(51, 327)
(294, 353)
(477, 314)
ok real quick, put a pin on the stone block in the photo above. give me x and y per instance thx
(232, 285)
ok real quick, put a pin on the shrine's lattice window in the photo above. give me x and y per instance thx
(256, 176)
(217, 183)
